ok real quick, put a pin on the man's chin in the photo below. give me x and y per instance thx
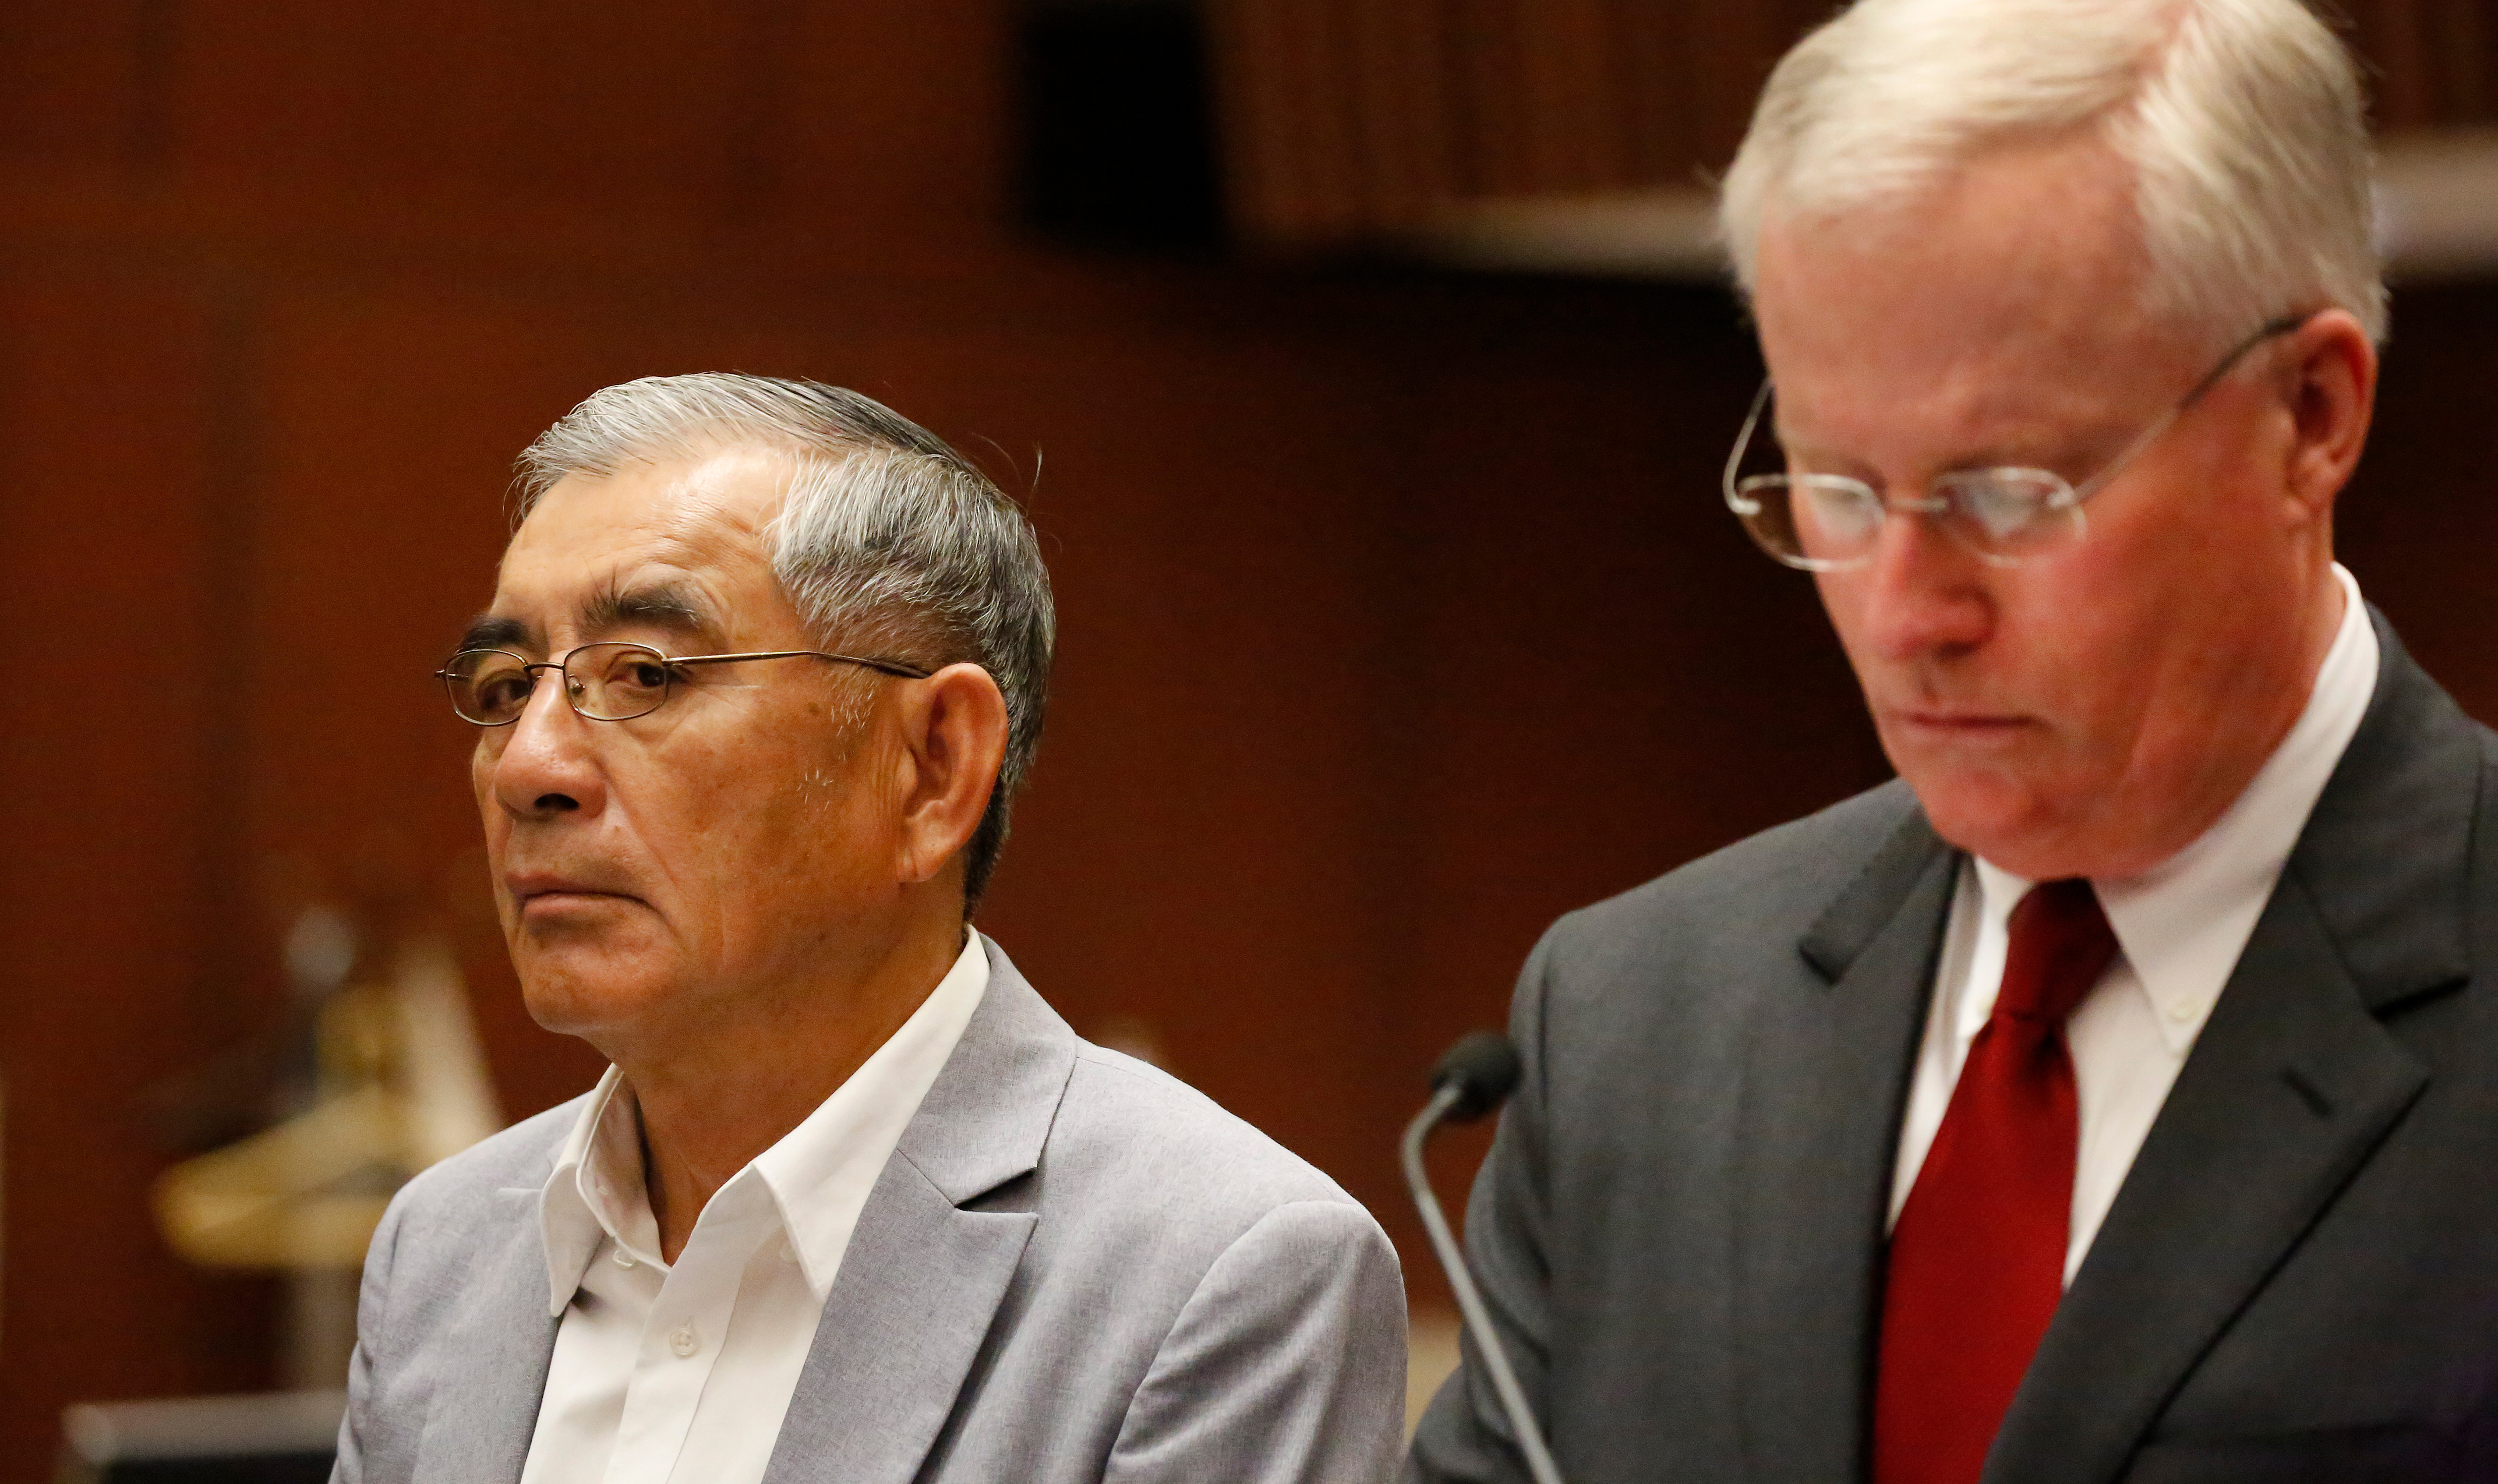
(1996, 819)
(592, 1014)
(586, 987)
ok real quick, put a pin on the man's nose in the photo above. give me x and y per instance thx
(1925, 591)
(549, 764)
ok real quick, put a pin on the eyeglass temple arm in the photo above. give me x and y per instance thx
(893, 667)
(2282, 326)
(1744, 439)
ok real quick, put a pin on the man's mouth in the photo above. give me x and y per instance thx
(1962, 723)
(551, 888)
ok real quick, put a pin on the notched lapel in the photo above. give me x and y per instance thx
(916, 1293)
(2291, 1086)
(478, 1428)
(923, 1280)
(1826, 1071)
(1871, 903)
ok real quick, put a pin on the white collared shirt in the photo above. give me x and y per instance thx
(681, 1373)
(2180, 927)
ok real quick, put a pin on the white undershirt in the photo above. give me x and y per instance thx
(683, 1373)
(2180, 926)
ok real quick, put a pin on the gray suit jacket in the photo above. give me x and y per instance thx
(1681, 1221)
(1074, 1267)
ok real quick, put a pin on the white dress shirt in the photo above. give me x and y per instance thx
(2180, 927)
(681, 1373)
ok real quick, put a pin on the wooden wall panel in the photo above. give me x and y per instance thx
(625, 107)
(1399, 613)
(119, 768)
(76, 82)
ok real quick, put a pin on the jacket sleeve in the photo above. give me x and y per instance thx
(373, 1302)
(1286, 1365)
(1464, 1437)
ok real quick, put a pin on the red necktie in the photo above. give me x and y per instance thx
(1977, 1256)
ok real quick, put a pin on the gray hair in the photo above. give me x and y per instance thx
(885, 535)
(2242, 121)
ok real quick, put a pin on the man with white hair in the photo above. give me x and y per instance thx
(2112, 1096)
(852, 1203)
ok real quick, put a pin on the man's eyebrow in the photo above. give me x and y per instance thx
(487, 631)
(669, 607)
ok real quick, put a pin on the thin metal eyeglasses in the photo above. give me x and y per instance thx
(606, 682)
(1828, 523)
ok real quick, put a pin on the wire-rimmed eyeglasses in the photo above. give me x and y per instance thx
(606, 682)
(1829, 523)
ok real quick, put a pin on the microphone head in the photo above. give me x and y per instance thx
(1485, 1068)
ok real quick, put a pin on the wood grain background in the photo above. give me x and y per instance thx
(1399, 612)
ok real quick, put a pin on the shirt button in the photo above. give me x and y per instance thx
(788, 1253)
(623, 1258)
(2181, 1012)
(684, 1340)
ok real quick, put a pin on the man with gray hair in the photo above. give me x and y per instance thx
(2110, 1096)
(852, 1203)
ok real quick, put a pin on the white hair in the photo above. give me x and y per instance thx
(886, 536)
(2242, 122)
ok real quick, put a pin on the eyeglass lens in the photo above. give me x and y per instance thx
(604, 682)
(1825, 521)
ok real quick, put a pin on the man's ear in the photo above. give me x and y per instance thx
(954, 736)
(2332, 386)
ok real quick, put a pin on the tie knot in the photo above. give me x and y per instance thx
(2061, 944)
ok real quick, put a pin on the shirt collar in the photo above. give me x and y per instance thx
(2184, 923)
(571, 1216)
(817, 1176)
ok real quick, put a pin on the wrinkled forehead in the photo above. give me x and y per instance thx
(681, 545)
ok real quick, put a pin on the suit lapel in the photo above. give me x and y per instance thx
(920, 1287)
(1825, 1074)
(477, 1430)
(2294, 1083)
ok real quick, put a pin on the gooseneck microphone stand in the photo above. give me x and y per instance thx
(1473, 1079)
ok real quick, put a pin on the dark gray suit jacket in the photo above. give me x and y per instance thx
(1072, 1268)
(1681, 1223)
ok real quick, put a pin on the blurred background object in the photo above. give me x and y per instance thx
(287, 1438)
(1401, 611)
(382, 1077)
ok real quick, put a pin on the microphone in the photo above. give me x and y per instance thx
(1473, 1077)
